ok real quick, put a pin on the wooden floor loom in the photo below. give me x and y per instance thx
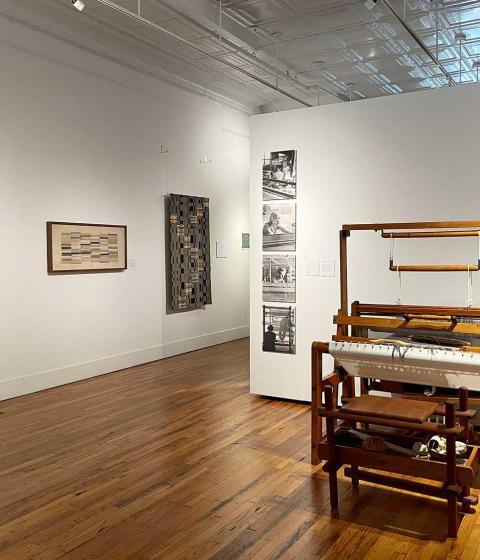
(428, 357)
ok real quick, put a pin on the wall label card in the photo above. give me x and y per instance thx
(327, 268)
(312, 267)
(221, 250)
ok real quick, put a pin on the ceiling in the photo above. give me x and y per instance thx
(266, 55)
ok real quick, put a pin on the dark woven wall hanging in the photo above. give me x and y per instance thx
(189, 252)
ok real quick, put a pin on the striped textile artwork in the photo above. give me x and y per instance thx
(80, 247)
(189, 252)
(76, 247)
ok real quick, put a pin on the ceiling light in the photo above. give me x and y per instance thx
(79, 4)
(370, 4)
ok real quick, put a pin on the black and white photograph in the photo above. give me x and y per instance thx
(278, 329)
(280, 175)
(278, 278)
(279, 226)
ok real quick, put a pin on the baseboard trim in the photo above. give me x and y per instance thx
(39, 381)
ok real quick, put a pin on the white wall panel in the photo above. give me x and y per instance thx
(411, 157)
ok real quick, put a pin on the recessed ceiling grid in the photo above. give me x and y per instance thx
(264, 54)
(342, 45)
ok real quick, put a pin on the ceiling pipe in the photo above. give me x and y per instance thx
(186, 42)
(38, 26)
(237, 49)
(240, 51)
(419, 41)
(248, 87)
(254, 59)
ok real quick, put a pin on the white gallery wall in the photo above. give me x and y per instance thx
(81, 141)
(411, 157)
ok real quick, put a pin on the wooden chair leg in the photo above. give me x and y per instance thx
(452, 515)
(451, 481)
(466, 505)
(316, 402)
(332, 480)
(463, 405)
(335, 401)
(332, 472)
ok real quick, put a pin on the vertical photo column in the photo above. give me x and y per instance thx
(279, 235)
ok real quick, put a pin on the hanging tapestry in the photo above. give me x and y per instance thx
(189, 252)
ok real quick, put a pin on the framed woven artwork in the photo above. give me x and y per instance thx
(190, 281)
(79, 247)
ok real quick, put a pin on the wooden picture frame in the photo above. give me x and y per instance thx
(104, 248)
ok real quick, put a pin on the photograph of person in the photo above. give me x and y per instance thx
(280, 175)
(279, 226)
(278, 278)
(278, 329)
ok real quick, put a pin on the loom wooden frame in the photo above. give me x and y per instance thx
(456, 479)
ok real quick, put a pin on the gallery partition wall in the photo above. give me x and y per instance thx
(394, 159)
(95, 148)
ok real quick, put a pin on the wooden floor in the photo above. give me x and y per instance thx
(175, 460)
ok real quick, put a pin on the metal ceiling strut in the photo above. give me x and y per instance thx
(419, 41)
(186, 42)
(240, 51)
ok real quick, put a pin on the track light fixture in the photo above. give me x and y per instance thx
(79, 4)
